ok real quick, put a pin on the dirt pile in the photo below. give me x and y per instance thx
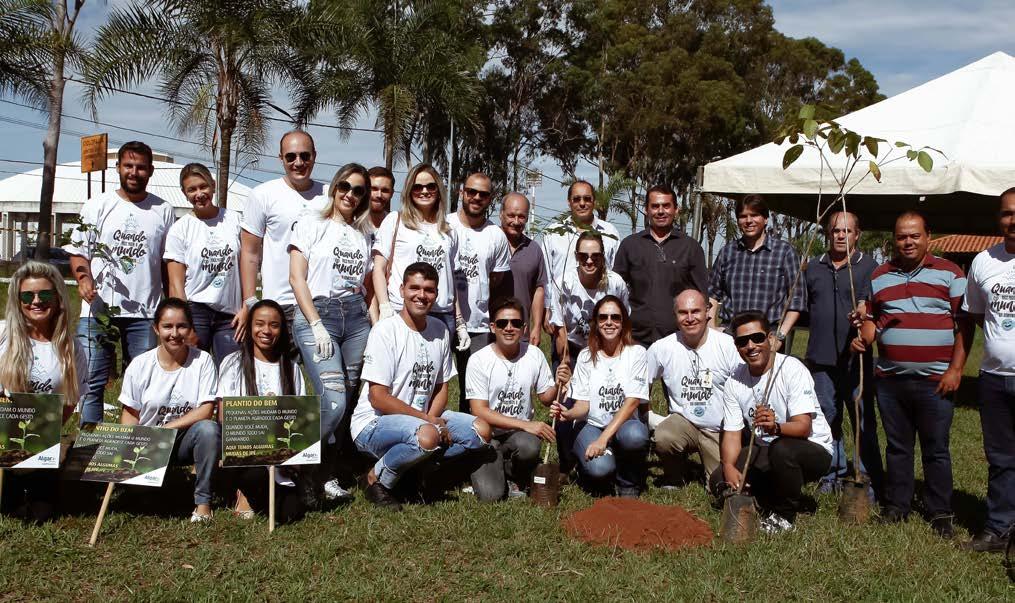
(638, 525)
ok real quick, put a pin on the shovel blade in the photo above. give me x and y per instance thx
(545, 488)
(739, 523)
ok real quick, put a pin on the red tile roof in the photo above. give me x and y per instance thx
(962, 243)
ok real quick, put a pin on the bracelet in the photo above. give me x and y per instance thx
(250, 301)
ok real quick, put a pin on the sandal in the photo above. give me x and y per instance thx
(245, 515)
(196, 517)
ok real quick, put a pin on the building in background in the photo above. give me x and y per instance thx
(960, 248)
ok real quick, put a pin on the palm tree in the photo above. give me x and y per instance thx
(216, 61)
(37, 47)
(414, 61)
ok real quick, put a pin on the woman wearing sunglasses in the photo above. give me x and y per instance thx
(610, 382)
(329, 259)
(418, 232)
(39, 354)
(202, 259)
(173, 386)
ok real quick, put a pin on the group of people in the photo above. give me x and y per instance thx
(382, 309)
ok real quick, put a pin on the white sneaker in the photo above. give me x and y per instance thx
(333, 491)
(776, 524)
(468, 490)
(514, 491)
(196, 517)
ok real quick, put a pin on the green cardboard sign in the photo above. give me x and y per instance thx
(271, 430)
(30, 431)
(122, 454)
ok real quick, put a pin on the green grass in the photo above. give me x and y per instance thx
(462, 550)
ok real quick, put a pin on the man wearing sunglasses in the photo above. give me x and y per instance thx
(560, 237)
(269, 217)
(132, 225)
(772, 394)
(483, 261)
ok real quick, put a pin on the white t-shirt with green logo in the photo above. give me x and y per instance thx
(412, 363)
(571, 305)
(990, 290)
(210, 249)
(609, 382)
(427, 244)
(481, 252)
(161, 396)
(338, 257)
(266, 375)
(46, 373)
(507, 385)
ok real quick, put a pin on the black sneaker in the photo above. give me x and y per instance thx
(986, 542)
(943, 526)
(889, 516)
(382, 497)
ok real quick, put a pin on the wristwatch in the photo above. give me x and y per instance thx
(779, 335)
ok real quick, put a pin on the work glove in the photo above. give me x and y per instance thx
(385, 310)
(462, 334)
(322, 339)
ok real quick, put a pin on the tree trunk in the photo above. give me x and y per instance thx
(50, 146)
(225, 148)
(389, 150)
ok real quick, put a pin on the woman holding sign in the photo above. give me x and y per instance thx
(263, 366)
(39, 354)
(329, 258)
(173, 386)
(610, 381)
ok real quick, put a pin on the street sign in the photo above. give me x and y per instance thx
(93, 153)
(533, 179)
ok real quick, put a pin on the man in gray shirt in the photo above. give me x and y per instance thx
(528, 269)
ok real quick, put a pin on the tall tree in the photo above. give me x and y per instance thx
(216, 62)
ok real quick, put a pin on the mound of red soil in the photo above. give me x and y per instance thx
(634, 524)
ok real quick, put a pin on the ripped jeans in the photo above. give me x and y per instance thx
(392, 440)
(336, 379)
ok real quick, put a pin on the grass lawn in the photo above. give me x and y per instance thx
(462, 550)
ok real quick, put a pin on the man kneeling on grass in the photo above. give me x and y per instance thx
(793, 443)
(400, 417)
(499, 384)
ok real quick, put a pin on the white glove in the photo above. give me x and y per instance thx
(325, 348)
(385, 310)
(462, 334)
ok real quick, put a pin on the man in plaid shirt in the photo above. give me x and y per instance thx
(756, 271)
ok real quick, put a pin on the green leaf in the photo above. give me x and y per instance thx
(901, 144)
(807, 112)
(925, 161)
(852, 144)
(22, 425)
(875, 170)
(871, 144)
(791, 155)
(836, 140)
(911, 155)
(810, 128)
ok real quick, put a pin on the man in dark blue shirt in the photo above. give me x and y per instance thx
(835, 368)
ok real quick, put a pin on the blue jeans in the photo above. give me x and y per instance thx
(336, 379)
(391, 439)
(835, 387)
(136, 337)
(625, 464)
(910, 409)
(997, 418)
(566, 431)
(214, 331)
(199, 445)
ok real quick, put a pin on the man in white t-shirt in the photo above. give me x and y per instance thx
(990, 301)
(792, 443)
(116, 258)
(400, 417)
(499, 384)
(272, 210)
(694, 364)
(382, 189)
(483, 262)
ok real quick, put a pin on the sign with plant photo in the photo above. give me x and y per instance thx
(271, 430)
(30, 431)
(121, 454)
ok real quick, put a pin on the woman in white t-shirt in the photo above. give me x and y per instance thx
(328, 262)
(610, 382)
(39, 354)
(203, 261)
(263, 366)
(421, 234)
(173, 386)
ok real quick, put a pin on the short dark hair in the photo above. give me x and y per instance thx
(914, 213)
(379, 171)
(661, 189)
(570, 189)
(173, 303)
(427, 271)
(506, 303)
(754, 202)
(749, 316)
(137, 147)
(828, 220)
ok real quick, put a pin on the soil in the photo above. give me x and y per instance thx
(10, 458)
(633, 524)
(275, 457)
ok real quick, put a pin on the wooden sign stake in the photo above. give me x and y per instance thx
(271, 498)
(102, 514)
(1, 484)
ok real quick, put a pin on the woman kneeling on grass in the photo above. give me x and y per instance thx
(40, 355)
(263, 366)
(173, 386)
(610, 381)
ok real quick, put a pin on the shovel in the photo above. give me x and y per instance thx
(739, 522)
(854, 505)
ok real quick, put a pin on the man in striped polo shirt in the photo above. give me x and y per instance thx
(915, 300)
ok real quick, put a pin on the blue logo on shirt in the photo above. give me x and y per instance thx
(1008, 324)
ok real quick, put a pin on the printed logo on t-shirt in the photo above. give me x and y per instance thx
(696, 390)
(468, 263)
(177, 407)
(349, 263)
(511, 399)
(430, 251)
(611, 395)
(129, 245)
(263, 384)
(38, 381)
(423, 373)
(217, 258)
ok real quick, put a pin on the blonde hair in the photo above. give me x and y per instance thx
(364, 203)
(199, 170)
(16, 362)
(411, 216)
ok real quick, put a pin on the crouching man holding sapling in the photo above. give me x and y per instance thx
(499, 384)
(400, 417)
(792, 443)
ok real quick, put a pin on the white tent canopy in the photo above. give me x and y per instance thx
(965, 114)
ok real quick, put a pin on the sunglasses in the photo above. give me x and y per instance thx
(585, 257)
(581, 199)
(304, 155)
(755, 338)
(611, 317)
(502, 323)
(419, 188)
(46, 296)
(344, 187)
(474, 192)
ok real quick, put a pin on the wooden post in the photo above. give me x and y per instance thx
(271, 498)
(102, 514)
(1, 484)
